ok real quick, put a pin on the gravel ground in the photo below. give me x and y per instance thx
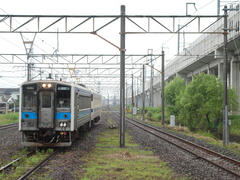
(10, 143)
(180, 161)
(226, 152)
(68, 161)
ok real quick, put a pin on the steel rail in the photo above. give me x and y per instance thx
(187, 150)
(153, 131)
(5, 167)
(38, 166)
(191, 143)
(7, 126)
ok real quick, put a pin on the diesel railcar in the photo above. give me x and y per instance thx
(51, 112)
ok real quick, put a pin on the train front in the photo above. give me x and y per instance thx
(45, 114)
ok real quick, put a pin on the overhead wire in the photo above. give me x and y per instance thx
(35, 45)
(197, 10)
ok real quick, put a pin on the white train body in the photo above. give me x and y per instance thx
(52, 111)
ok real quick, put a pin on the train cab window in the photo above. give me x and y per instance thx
(63, 96)
(29, 97)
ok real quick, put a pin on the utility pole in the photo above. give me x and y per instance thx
(150, 52)
(132, 97)
(178, 40)
(29, 71)
(162, 92)
(137, 92)
(225, 101)
(143, 95)
(218, 7)
(108, 100)
(28, 45)
(122, 78)
(126, 95)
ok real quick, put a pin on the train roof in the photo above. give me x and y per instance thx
(63, 83)
(55, 81)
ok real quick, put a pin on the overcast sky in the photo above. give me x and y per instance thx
(88, 43)
(90, 7)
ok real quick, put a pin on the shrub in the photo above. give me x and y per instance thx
(202, 101)
(149, 115)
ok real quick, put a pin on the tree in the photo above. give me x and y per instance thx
(202, 102)
(173, 91)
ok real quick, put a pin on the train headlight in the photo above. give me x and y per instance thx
(44, 85)
(61, 125)
(64, 124)
(49, 85)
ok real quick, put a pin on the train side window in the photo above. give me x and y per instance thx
(85, 102)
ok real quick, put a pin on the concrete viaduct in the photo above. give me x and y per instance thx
(204, 55)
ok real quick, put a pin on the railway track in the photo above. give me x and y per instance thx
(38, 166)
(219, 160)
(9, 165)
(30, 171)
(13, 125)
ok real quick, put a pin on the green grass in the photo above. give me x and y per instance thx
(18, 154)
(235, 127)
(8, 118)
(27, 163)
(108, 161)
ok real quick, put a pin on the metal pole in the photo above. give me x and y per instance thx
(218, 7)
(28, 72)
(137, 92)
(178, 40)
(143, 95)
(122, 78)
(126, 95)
(108, 100)
(6, 110)
(225, 101)
(152, 74)
(162, 92)
(132, 97)
(151, 81)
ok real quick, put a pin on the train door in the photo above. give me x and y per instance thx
(46, 109)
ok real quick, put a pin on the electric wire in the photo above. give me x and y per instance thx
(174, 35)
(35, 45)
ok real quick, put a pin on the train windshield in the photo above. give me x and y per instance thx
(46, 100)
(63, 96)
(29, 97)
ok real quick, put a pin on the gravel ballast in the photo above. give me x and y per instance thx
(179, 160)
(68, 160)
(10, 144)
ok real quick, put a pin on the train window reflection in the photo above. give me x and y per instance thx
(63, 96)
(46, 101)
(29, 100)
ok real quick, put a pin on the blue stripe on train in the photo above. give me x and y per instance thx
(63, 115)
(29, 115)
(83, 113)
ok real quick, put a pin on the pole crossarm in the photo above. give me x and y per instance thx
(154, 68)
(74, 24)
(83, 59)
